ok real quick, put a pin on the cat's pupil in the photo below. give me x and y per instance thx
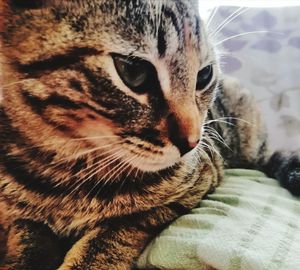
(134, 72)
(204, 77)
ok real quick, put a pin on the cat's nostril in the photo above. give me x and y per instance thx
(184, 145)
(193, 144)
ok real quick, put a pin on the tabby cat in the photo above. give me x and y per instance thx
(111, 125)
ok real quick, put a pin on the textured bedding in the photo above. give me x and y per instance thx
(250, 222)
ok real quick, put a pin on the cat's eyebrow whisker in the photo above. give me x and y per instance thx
(245, 34)
(211, 16)
(229, 19)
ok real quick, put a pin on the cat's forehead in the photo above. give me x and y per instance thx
(142, 26)
(149, 29)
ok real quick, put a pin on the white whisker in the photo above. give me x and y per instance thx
(101, 161)
(211, 17)
(229, 19)
(244, 34)
(78, 155)
(112, 158)
(220, 121)
(212, 133)
(94, 137)
(116, 170)
(224, 118)
(119, 167)
(104, 164)
(18, 82)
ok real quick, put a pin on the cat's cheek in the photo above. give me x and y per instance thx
(96, 127)
(89, 124)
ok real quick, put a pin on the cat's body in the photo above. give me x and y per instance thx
(95, 161)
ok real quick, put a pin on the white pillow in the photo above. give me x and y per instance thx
(267, 63)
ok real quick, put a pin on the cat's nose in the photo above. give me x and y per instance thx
(184, 133)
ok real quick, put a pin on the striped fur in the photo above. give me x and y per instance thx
(88, 165)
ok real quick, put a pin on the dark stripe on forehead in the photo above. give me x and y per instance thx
(185, 13)
(70, 57)
(177, 25)
(161, 41)
(197, 29)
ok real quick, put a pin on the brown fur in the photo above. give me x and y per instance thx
(76, 144)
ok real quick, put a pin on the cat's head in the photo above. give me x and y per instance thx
(127, 79)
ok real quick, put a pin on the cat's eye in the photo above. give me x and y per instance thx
(136, 73)
(204, 77)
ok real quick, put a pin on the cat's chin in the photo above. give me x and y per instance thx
(154, 167)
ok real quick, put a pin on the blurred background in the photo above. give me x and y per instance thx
(259, 43)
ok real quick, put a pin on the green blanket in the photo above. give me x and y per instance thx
(250, 222)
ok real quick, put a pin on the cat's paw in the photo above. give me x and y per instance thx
(292, 181)
(285, 167)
